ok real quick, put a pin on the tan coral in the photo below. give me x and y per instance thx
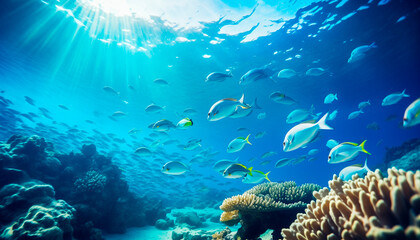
(270, 196)
(374, 208)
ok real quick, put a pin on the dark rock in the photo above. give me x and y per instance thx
(190, 218)
(164, 224)
(89, 150)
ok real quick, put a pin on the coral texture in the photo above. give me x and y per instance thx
(373, 207)
(266, 206)
(29, 211)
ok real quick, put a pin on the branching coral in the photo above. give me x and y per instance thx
(373, 207)
(266, 206)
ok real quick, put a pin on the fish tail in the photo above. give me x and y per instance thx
(362, 146)
(247, 139)
(266, 176)
(373, 45)
(366, 167)
(335, 96)
(404, 94)
(230, 73)
(250, 170)
(322, 124)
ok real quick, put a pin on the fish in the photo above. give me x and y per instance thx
(303, 134)
(265, 162)
(346, 151)
(143, 151)
(299, 115)
(260, 134)
(133, 131)
(256, 178)
(330, 98)
(153, 108)
(237, 170)
(63, 107)
(268, 154)
(184, 123)
(242, 129)
(218, 76)
(189, 111)
(221, 165)
(225, 108)
(373, 126)
(360, 52)
(313, 152)
(254, 75)
(109, 89)
(161, 82)
(412, 114)
(282, 162)
(192, 144)
(163, 125)
(364, 104)
(279, 97)
(29, 100)
(354, 114)
(261, 115)
(286, 73)
(174, 168)
(347, 173)
(394, 98)
(333, 115)
(238, 144)
(243, 112)
(119, 114)
(316, 72)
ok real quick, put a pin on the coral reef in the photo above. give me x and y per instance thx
(29, 211)
(266, 206)
(404, 157)
(373, 207)
(88, 181)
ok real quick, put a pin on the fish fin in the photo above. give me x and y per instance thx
(236, 159)
(312, 109)
(350, 143)
(404, 94)
(373, 45)
(366, 166)
(362, 146)
(230, 99)
(266, 176)
(356, 165)
(241, 100)
(244, 107)
(321, 123)
(335, 96)
(247, 139)
(230, 74)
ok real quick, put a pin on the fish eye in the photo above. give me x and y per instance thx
(405, 119)
(284, 143)
(329, 157)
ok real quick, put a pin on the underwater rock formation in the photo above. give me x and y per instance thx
(266, 206)
(88, 181)
(405, 156)
(29, 211)
(374, 208)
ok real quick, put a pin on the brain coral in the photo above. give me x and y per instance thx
(266, 206)
(373, 207)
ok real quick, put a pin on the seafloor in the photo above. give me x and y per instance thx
(82, 195)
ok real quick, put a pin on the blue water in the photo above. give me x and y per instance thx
(46, 55)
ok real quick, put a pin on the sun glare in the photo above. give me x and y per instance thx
(116, 7)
